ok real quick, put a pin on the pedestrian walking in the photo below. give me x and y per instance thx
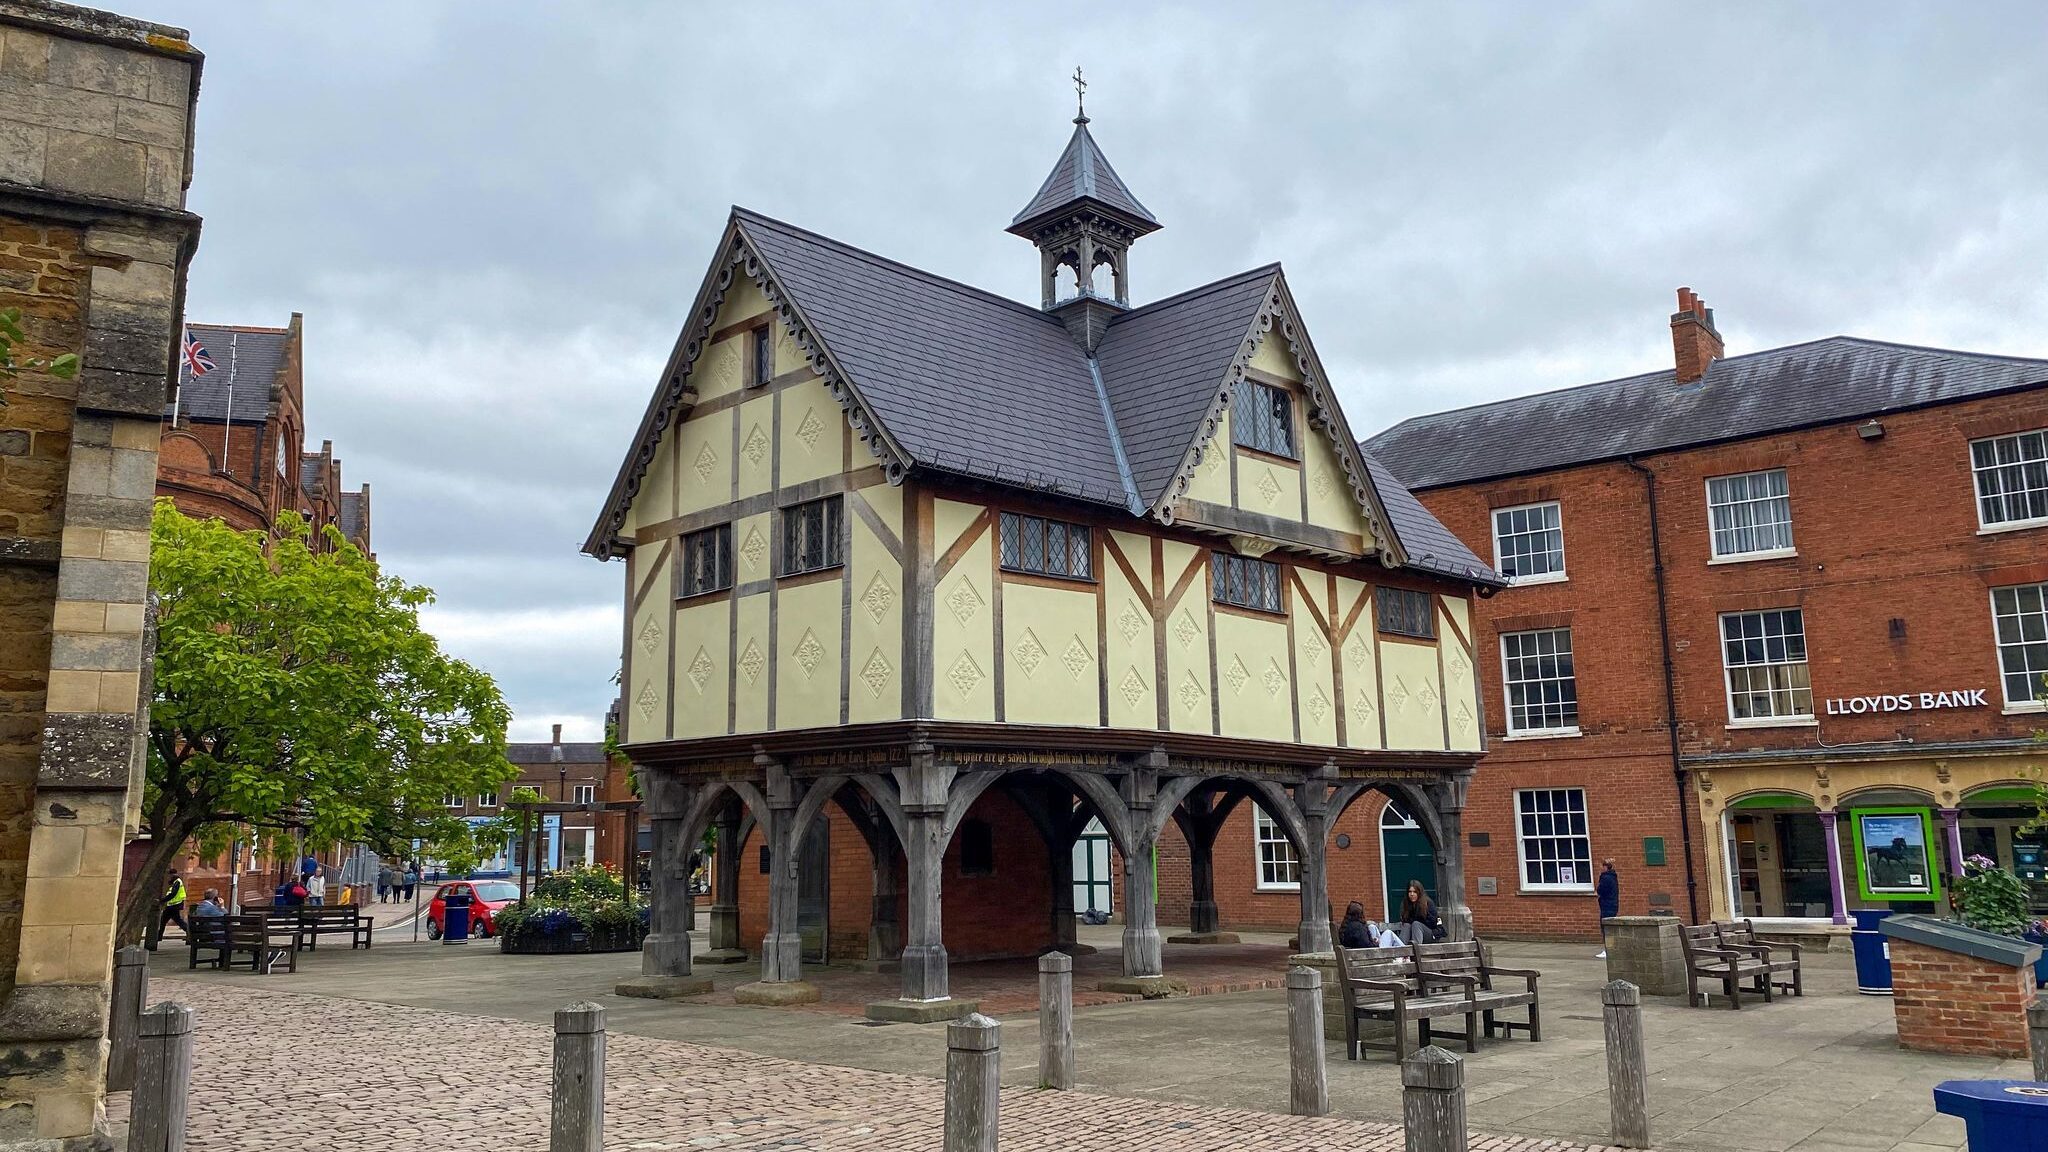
(412, 879)
(316, 889)
(1608, 889)
(384, 884)
(173, 911)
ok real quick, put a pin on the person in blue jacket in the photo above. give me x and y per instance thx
(1608, 889)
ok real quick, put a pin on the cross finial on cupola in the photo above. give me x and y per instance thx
(1084, 218)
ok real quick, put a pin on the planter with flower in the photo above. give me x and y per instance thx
(575, 910)
(1993, 900)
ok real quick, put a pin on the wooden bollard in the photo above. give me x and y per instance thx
(576, 1121)
(1308, 1086)
(1055, 1020)
(974, 1073)
(2037, 1037)
(163, 1080)
(124, 1016)
(1433, 1101)
(1628, 1078)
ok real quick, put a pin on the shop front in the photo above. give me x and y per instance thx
(1803, 838)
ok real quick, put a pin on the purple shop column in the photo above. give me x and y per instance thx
(1952, 832)
(1838, 898)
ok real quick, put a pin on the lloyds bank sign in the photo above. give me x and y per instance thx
(1909, 702)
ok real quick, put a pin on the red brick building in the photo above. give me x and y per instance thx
(1827, 562)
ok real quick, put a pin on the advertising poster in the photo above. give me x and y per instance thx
(1895, 857)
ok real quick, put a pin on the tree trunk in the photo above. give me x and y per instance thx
(144, 900)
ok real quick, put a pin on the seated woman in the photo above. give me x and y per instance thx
(1356, 931)
(1420, 921)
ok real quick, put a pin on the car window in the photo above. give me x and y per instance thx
(442, 892)
(497, 891)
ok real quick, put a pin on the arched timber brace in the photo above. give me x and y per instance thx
(1201, 817)
(792, 804)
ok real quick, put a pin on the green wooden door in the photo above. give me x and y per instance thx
(1407, 855)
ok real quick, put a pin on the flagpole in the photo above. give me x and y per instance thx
(227, 460)
(178, 397)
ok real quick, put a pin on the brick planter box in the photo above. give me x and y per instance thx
(1958, 990)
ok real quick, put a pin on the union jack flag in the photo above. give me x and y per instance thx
(196, 358)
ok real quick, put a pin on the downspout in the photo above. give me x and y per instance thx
(1678, 772)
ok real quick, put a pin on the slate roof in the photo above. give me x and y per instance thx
(967, 382)
(245, 362)
(1822, 382)
(348, 515)
(1083, 173)
(573, 752)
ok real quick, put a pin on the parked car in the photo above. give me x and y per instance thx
(486, 897)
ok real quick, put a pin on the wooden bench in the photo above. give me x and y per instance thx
(266, 942)
(317, 920)
(1778, 958)
(1707, 959)
(1464, 960)
(1385, 984)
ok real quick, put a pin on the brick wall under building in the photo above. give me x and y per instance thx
(1949, 1002)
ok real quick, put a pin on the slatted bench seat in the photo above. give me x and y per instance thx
(1464, 960)
(1707, 959)
(1780, 959)
(216, 941)
(317, 920)
(1384, 984)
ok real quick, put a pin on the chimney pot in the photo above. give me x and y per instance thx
(1695, 342)
(558, 733)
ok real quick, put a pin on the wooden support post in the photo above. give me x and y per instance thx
(1055, 1020)
(124, 1016)
(1433, 1101)
(1628, 1080)
(1308, 1081)
(576, 1121)
(2037, 1036)
(163, 1080)
(974, 1073)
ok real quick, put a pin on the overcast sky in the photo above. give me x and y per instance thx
(495, 215)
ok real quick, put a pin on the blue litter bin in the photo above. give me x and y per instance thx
(455, 918)
(2007, 1115)
(1873, 952)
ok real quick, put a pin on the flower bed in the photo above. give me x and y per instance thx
(578, 910)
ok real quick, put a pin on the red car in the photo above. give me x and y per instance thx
(485, 898)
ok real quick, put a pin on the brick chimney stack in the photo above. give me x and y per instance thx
(555, 753)
(1695, 343)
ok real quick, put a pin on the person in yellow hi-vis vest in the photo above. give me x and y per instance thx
(174, 910)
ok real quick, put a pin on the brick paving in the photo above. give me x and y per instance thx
(372, 1077)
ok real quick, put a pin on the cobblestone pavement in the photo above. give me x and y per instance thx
(453, 1082)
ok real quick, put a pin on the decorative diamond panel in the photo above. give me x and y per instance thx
(1462, 718)
(875, 673)
(1185, 629)
(1318, 705)
(1236, 675)
(707, 463)
(808, 652)
(1459, 666)
(1129, 622)
(756, 446)
(1077, 658)
(650, 636)
(1192, 694)
(1398, 694)
(752, 662)
(755, 549)
(964, 674)
(964, 600)
(810, 428)
(1133, 687)
(787, 355)
(1212, 459)
(701, 669)
(1361, 706)
(1273, 678)
(1269, 488)
(878, 597)
(646, 701)
(1314, 645)
(722, 364)
(1323, 485)
(1426, 697)
(1028, 653)
(1357, 650)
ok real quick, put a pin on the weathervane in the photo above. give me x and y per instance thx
(1080, 97)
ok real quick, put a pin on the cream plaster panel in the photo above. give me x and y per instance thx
(703, 675)
(1461, 692)
(752, 547)
(1052, 673)
(1413, 696)
(1330, 502)
(807, 659)
(1268, 488)
(1272, 356)
(656, 500)
(1361, 682)
(1130, 663)
(704, 454)
(645, 713)
(1188, 690)
(787, 356)
(1253, 685)
(874, 688)
(1211, 481)
(1315, 684)
(752, 686)
(813, 433)
(723, 367)
(757, 445)
(963, 629)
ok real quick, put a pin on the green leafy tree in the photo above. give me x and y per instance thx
(295, 689)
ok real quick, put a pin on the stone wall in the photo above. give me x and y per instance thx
(1951, 1002)
(95, 117)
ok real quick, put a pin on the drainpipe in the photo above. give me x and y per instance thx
(1678, 772)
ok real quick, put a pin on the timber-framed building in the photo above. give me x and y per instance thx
(970, 575)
